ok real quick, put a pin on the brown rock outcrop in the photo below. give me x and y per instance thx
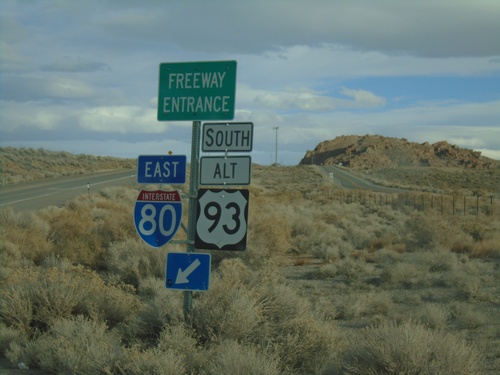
(375, 151)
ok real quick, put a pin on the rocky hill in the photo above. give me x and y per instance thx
(374, 151)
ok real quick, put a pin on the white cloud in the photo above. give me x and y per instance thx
(119, 119)
(10, 59)
(36, 87)
(423, 28)
(310, 100)
(67, 88)
(493, 154)
(303, 99)
(363, 98)
(22, 118)
(74, 64)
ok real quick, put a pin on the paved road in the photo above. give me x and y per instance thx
(348, 180)
(57, 191)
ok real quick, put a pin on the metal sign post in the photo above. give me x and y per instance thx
(193, 201)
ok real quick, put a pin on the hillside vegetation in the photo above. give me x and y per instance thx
(326, 286)
(27, 164)
(396, 162)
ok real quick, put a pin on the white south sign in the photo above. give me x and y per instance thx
(221, 220)
(227, 136)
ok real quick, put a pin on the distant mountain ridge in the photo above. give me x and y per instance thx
(375, 151)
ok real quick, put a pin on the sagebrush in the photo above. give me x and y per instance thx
(324, 287)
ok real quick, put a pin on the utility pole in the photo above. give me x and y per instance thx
(276, 146)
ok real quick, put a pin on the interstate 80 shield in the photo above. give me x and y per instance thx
(157, 216)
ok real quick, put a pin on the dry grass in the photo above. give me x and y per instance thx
(27, 164)
(410, 348)
(437, 179)
(325, 287)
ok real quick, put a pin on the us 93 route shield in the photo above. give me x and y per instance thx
(221, 220)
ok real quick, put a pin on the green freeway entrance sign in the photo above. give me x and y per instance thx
(195, 91)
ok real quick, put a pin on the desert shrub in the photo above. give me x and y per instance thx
(440, 260)
(410, 348)
(358, 235)
(236, 359)
(76, 345)
(174, 352)
(319, 239)
(483, 237)
(230, 310)
(84, 228)
(179, 339)
(434, 316)
(467, 282)
(270, 230)
(120, 194)
(10, 258)
(96, 294)
(56, 294)
(150, 362)
(302, 341)
(258, 308)
(74, 235)
(487, 248)
(111, 213)
(304, 345)
(124, 307)
(16, 226)
(160, 307)
(388, 256)
(130, 260)
(8, 335)
(352, 269)
(364, 304)
(346, 269)
(16, 307)
(465, 316)
(55, 261)
(36, 299)
(403, 274)
(426, 231)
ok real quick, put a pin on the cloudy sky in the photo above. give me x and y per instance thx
(82, 76)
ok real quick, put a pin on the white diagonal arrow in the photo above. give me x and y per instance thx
(182, 275)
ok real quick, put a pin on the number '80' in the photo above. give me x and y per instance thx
(148, 220)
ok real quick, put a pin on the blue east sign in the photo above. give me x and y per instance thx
(161, 169)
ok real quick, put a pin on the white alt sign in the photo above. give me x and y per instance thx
(220, 170)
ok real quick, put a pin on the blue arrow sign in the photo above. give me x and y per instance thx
(161, 169)
(188, 271)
